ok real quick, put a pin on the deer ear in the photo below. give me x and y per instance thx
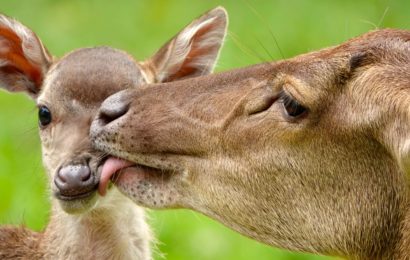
(193, 51)
(23, 58)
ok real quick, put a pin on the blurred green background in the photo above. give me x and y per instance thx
(258, 31)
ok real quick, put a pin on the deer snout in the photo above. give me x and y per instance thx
(110, 112)
(74, 181)
(112, 109)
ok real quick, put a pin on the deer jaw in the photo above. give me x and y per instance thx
(308, 154)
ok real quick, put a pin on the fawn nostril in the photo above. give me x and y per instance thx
(85, 174)
(74, 180)
(111, 111)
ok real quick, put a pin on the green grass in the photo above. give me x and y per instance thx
(141, 27)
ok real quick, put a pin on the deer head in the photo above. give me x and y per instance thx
(308, 154)
(69, 90)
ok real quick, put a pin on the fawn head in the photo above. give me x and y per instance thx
(69, 90)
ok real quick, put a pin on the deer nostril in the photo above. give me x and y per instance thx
(72, 180)
(112, 111)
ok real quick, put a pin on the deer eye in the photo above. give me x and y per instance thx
(44, 116)
(291, 106)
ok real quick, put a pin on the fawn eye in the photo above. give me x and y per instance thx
(44, 116)
(292, 107)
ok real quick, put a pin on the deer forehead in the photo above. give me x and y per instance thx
(87, 76)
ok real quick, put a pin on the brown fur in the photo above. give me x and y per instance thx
(85, 225)
(19, 243)
(334, 181)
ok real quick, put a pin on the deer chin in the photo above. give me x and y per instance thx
(148, 186)
(79, 204)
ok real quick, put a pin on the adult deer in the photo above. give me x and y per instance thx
(68, 93)
(309, 154)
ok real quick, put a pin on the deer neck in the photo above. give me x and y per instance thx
(115, 229)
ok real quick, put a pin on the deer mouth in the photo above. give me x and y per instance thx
(145, 185)
(75, 197)
(79, 203)
(111, 170)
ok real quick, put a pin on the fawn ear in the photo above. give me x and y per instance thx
(193, 51)
(23, 58)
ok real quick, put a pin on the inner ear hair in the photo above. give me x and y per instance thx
(24, 60)
(361, 59)
(354, 61)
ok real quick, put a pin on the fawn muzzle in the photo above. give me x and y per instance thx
(74, 182)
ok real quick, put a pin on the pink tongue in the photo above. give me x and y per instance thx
(111, 166)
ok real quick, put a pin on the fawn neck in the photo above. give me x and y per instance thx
(117, 231)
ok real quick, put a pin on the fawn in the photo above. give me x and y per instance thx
(309, 154)
(68, 92)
